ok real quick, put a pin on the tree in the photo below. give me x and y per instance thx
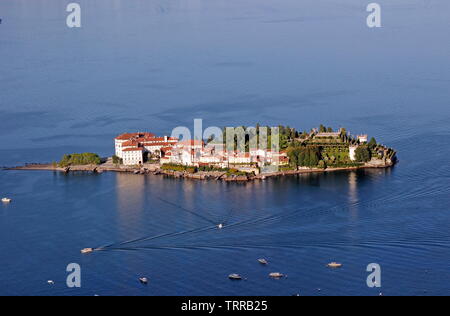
(313, 158)
(322, 164)
(293, 156)
(363, 154)
(115, 159)
(302, 157)
(322, 128)
(80, 159)
(373, 143)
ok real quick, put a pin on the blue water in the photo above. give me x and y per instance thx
(153, 65)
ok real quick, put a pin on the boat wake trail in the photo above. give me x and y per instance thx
(305, 212)
(172, 234)
(151, 238)
(442, 242)
(188, 211)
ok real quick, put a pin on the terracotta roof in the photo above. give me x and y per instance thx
(158, 144)
(156, 139)
(133, 149)
(129, 136)
(130, 143)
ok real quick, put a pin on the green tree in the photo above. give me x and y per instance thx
(363, 154)
(293, 156)
(116, 160)
(313, 158)
(80, 159)
(322, 164)
(373, 143)
(322, 128)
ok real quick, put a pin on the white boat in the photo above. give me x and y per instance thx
(87, 250)
(143, 280)
(263, 261)
(6, 200)
(234, 277)
(335, 265)
(276, 275)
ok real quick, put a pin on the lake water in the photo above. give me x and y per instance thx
(154, 65)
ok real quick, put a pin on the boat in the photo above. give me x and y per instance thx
(234, 277)
(143, 280)
(51, 282)
(335, 265)
(6, 200)
(220, 226)
(276, 275)
(263, 261)
(87, 250)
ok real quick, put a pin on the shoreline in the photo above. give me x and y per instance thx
(153, 169)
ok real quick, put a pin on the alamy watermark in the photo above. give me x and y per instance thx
(374, 18)
(374, 278)
(74, 278)
(74, 17)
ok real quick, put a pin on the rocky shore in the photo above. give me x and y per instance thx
(154, 169)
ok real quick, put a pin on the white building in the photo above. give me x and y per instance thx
(133, 156)
(363, 139)
(148, 141)
(240, 158)
(124, 138)
(353, 152)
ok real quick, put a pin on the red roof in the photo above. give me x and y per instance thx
(130, 143)
(158, 145)
(156, 139)
(129, 136)
(133, 149)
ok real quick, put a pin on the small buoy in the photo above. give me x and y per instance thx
(220, 226)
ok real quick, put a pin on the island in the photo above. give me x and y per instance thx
(318, 150)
